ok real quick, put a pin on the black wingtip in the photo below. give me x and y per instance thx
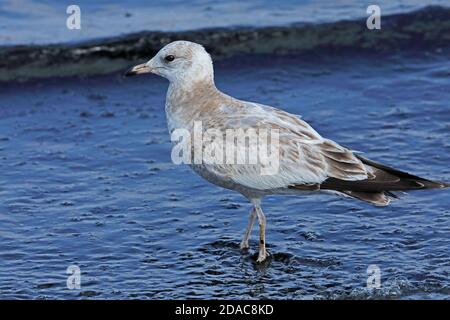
(429, 184)
(445, 185)
(130, 72)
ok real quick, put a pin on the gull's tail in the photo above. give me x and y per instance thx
(379, 190)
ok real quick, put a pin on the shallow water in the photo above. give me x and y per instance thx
(86, 179)
(44, 21)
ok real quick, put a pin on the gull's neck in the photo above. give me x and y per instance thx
(187, 99)
(187, 87)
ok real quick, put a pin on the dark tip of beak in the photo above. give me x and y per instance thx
(130, 72)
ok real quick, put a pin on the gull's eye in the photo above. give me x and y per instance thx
(169, 58)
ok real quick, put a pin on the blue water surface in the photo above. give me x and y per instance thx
(87, 180)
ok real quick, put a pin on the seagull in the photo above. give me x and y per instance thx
(307, 163)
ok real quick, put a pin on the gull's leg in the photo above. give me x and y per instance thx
(248, 230)
(263, 254)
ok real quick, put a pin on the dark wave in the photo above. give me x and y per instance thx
(425, 29)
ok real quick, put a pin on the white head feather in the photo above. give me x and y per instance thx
(183, 62)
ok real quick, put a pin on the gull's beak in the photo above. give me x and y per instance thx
(139, 69)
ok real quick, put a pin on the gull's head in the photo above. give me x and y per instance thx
(179, 61)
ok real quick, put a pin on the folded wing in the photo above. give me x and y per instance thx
(305, 158)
